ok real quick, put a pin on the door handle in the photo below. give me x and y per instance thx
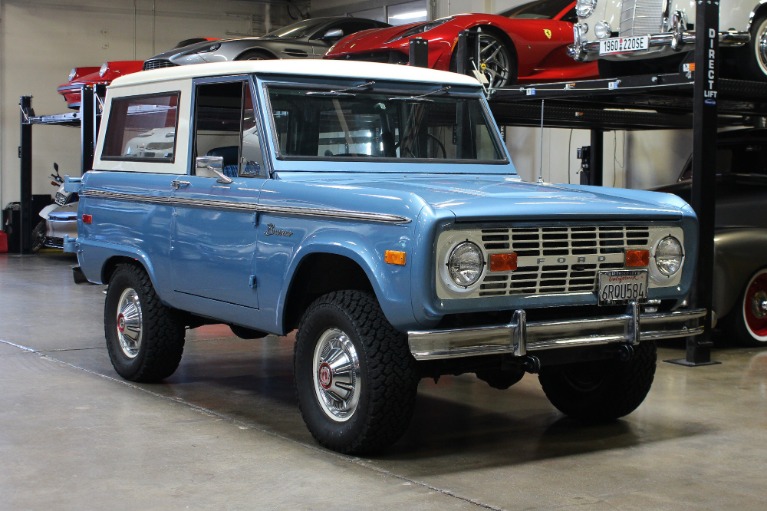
(176, 184)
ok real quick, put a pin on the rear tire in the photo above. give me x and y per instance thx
(38, 236)
(145, 339)
(355, 378)
(603, 390)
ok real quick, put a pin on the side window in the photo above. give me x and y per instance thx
(142, 128)
(225, 127)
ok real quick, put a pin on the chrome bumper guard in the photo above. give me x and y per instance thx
(520, 337)
(669, 41)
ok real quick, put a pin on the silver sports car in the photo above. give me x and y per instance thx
(309, 38)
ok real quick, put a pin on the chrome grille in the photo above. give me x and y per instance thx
(641, 17)
(157, 64)
(562, 259)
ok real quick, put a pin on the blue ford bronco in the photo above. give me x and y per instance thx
(375, 209)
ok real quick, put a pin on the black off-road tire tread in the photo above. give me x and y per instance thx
(390, 378)
(38, 236)
(623, 389)
(163, 333)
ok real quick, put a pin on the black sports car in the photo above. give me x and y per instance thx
(309, 38)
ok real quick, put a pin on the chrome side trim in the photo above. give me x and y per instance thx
(520, 337)
(336, 214)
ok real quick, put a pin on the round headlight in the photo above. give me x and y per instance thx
(669, 256)
(465, 264)
(585, 8)
(602, 30)
(104, 68)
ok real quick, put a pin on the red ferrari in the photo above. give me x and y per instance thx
(525, 44)
(80, 76)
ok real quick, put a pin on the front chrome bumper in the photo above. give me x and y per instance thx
(520, 337)
(658, 45)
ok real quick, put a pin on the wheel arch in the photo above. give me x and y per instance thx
(256, 49)
(738, 255)
(319, 273)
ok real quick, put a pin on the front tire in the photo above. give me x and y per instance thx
(145, 339)
(751, 315)
(355, 378)
(602, 390)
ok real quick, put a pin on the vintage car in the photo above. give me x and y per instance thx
(90, 76)
(375, 209)
(644, 36)
(82, 76)
(525, 44)
(308, 38)
(740, 241)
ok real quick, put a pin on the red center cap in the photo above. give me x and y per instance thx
(326, 376)
(121, 323)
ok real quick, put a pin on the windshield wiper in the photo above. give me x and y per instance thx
(421, 97)
(342, 92)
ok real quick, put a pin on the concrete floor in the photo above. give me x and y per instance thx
(224, 432)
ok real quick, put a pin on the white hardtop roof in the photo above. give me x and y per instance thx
(313, 67)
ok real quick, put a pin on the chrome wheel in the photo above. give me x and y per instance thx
(755, 307)
(760, 46)
(495, 60)
(129, 322)
(337, 381)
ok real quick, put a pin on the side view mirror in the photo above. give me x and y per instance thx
(211, 166)
(334, 33)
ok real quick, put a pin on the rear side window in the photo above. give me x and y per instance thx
(142, 128)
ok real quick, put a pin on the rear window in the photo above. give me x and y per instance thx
(142, 128)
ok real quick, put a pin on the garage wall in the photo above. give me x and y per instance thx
(41, 40)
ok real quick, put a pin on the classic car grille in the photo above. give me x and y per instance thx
(158, 63)
(573, 257)
(641, 17)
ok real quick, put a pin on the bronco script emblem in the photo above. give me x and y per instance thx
(271, 230)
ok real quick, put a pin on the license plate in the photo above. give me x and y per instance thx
(623, 44)
(622, 286)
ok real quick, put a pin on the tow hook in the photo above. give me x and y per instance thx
(531, 364)
(625, 352)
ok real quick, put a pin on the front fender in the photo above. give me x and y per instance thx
(738, 254)
(390, 283)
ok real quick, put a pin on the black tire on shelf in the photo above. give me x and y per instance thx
(38, 236)
(355, 378)
(750, 315)
(753, 65)
(145, 339)
(603, 390)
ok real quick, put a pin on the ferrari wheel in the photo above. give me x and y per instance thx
(496, 60)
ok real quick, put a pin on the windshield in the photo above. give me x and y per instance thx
(358, 123)
(300, 29)
(539, 9)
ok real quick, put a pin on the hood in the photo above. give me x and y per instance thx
(485, 198)
(374, 38)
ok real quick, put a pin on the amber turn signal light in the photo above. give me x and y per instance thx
(637, 258)
(503, 262)
(396, 257)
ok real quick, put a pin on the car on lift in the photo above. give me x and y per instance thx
(740, 239)
(309, 38)
(648, 36)
(91, 76)
(525, 44)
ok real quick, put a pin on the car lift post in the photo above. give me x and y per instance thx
(25, 155)
(704, 174)
(419, 52)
